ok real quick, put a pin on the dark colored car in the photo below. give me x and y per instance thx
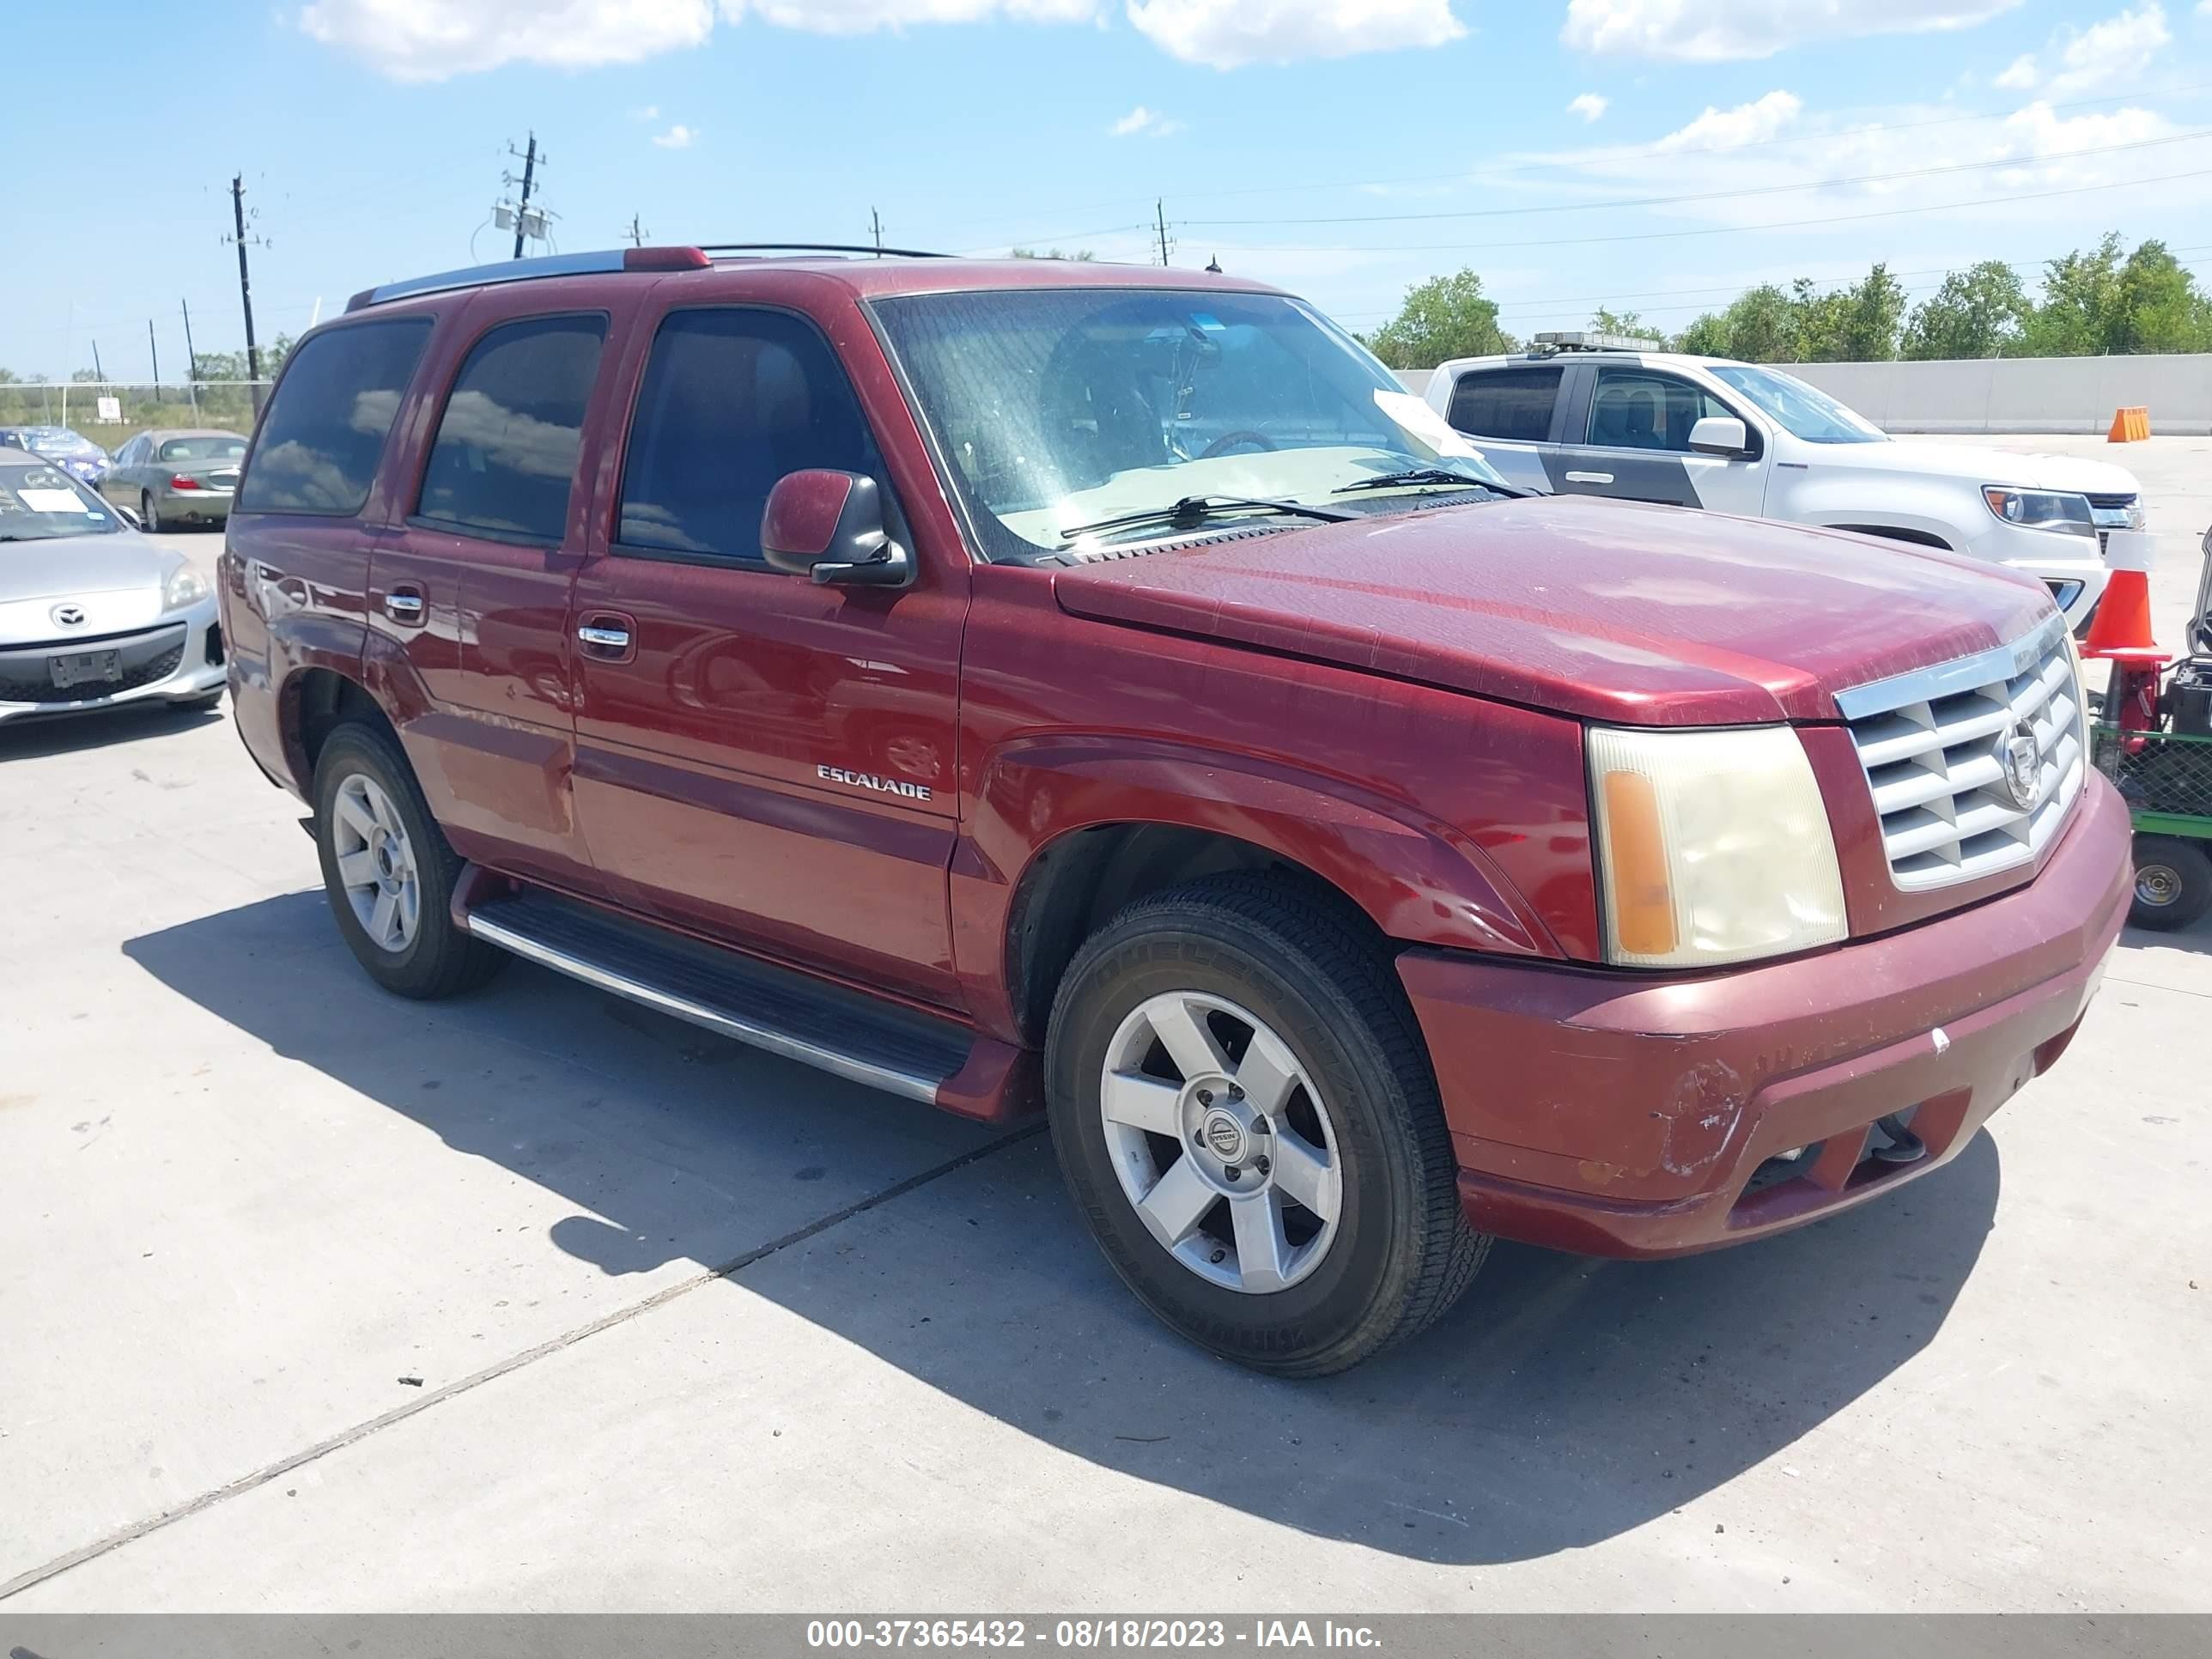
(1019, 684)
(76, 454)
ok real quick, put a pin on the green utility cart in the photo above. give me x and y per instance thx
(2163, 771)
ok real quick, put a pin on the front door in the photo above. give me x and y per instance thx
(1634, 444)
(760, 760)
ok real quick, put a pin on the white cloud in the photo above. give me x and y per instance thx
(1149, 121)
(1591, 105)
(1715, 31)
(646, 112)
(864, 16)
(1227, 33)
(678, 136)
(410, 40)
(2112, 54)
(2020, 74)
(1731, 158)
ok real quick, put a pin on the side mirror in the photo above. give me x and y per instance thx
(128, 514)
(1719, 435)
(830, 526)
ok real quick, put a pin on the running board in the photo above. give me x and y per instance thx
(792, 1014)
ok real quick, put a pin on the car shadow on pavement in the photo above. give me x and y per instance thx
(33, 739)
(1563, 1402)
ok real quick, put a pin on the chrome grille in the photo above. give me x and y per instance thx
(1934, 745)
(2111, 512)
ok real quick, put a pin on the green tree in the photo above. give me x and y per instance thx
(1853, 325)
(1444, 317)
(2159, 308)
(2081, 303)
(1762, 327)
(1708, 336)
(1980, 312)
(1626, 323)
(1051, 254)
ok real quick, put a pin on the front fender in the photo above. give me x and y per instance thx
(1419, 879)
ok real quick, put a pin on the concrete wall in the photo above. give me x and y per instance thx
(2009, 394)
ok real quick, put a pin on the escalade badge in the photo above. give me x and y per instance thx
(869, 780)
(67, 615)
(2021, 763)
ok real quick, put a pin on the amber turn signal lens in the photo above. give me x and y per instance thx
(1644, 904)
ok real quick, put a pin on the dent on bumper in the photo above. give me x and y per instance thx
(1626, 1115)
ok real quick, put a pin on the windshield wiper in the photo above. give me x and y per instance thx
(1416, 475)
(1192, 511)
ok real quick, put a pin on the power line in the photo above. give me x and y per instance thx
(1712, 230)
(1712, 195)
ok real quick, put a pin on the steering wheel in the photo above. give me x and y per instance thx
(1231, 440)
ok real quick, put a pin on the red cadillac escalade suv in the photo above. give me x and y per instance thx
(1103, 689)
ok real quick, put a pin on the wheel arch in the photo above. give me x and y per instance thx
(1084, 828)
(1897, 533)
(314, 703)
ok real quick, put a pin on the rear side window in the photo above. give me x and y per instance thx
(505, 449)
(1506, 403)
(731, 401)
(324, 434)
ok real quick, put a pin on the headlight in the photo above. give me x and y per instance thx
(2040, 509)
(1713, 847)
(186, 586)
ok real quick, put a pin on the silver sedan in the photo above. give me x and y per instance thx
(92, 614)
(176, 475)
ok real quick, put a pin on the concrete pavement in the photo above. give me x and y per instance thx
(320, 1300)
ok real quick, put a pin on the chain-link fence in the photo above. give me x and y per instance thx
(112, 412)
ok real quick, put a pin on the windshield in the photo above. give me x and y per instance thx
(1805, 411)
(215, 447)
(1060, 408)
(39, 503)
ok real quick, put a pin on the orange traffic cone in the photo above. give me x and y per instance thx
(2121, 630)
(2129, 424)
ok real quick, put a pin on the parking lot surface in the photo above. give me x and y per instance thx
(318, 1299)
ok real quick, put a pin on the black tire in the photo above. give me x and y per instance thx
(439, 960)
(146, 512)
(2174, 881)
(1404, 1250)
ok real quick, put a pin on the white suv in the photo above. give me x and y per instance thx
(1594, 417)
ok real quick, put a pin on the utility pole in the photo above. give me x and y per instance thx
(98, 373)
(153, 351)
(876, 224)
(246, 289)
(1160, 223)
(529, 172)
(636, 233)
(191, 360)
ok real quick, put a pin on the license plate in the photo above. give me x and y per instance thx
(85, 668)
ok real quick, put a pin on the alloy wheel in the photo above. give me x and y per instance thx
(376, 863)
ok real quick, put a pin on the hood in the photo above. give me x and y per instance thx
(119, 579)
(1936, 458)
(1611, 611)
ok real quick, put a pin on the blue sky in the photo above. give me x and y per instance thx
(1297, 139)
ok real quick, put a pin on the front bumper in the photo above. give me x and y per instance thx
(1632, 1115)
(176, 660)
(2072, 566)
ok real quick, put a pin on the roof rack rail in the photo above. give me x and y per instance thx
(676, 258)
(822, 247)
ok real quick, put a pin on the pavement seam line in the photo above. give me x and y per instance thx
(513, 1363)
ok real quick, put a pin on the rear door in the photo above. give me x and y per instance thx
(1510, 410)
(470, 584)
(1632, 442)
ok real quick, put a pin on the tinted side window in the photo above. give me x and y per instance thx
(1506, 403)
(505, 449)
(731, 401)
(324, 434)
(1635, 409)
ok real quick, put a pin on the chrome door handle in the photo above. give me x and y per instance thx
(1589, 477)
(403, 607)
(608, 639)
